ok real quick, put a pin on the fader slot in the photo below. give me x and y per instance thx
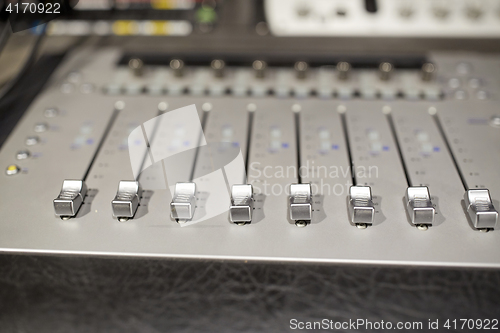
(419, 206)
(242, 206)
(472, 140)
(428, 164)
(375, 160)
(73, 191)
(324, 161)
(300, 200)
(273, 156)
(360, 200)
(220, 163)
(174, 138)
(119, 164)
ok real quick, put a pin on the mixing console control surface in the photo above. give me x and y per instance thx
(380, 169)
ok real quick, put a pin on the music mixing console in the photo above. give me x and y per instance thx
(388, 161)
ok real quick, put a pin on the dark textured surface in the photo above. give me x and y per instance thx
(81, 294)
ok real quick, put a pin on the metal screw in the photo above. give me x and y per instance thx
(385, 69)
(428, 70)
(136, 65)
(259, 67)
(343, 69)
(301, 223)
(301, 69)
(422, 227)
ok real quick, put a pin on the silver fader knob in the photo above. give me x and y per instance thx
(361, 208)
(300, 204)
(126, 200)
(70, 198)
(419, 206)
(241, 209)
(184, 202)
(480, 208)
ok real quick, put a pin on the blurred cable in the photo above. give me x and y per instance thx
(30, 60)
(5, 33)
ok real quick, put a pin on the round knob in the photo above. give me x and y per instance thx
(218, 67)
(343, 69)
(385, 69)
(428, 70)
(177, 66)
(301, 69)
(259, 67)
(136, 65)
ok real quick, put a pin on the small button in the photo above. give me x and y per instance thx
(23, 154)
(495, 121)
(113, 89)
(460, 94)
(133, 89)
(12, 170)
(154, 89)
(454, 83)
(74, 77)
(67, 88)
(51, 112)
(475, 83)
(482, 95)
(87, 88)
(41, 127)
(464, 68)
(32, 140)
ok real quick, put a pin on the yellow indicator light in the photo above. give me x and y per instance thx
(12, 169)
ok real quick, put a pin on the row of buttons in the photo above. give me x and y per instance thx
(31, 140)
(280, 91)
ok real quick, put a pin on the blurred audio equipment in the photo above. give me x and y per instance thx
(385, 18)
